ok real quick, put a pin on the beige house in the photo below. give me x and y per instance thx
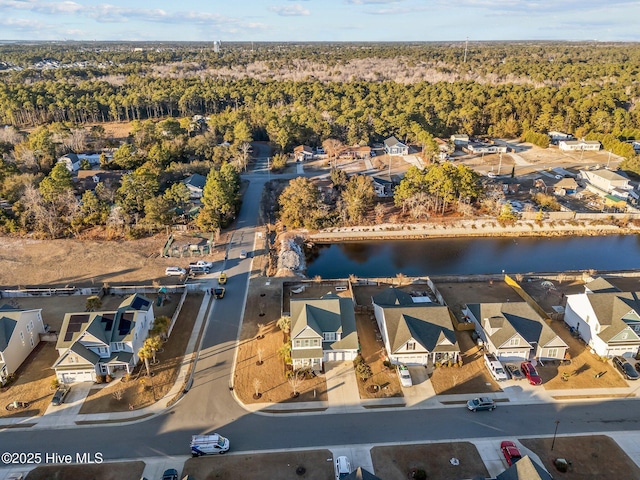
(19, 334)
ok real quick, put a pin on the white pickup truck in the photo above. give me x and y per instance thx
(495, 367)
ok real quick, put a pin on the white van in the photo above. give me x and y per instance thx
(208, 444)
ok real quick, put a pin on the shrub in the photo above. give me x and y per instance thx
(363, 371)
(387, 364)
(55, 383)
(419, 474)
(100, 379)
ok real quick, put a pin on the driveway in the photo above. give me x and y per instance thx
(65, 414)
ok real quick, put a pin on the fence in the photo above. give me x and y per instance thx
(49, 292)
(527, 298)
(177, 312)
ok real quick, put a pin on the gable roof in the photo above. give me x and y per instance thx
(513, 318)
(303, 149)
(7, 326)
(430, 326)
(600, 285)
(327, 314)
(392, 296)
(196, 180)
(612, 309)
(525, 469)
(361, 474)
(392, 142)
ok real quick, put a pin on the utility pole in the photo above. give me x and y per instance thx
(500, 163)
(466, 45)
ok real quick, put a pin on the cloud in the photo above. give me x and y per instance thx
(372, 2)
(290, 11)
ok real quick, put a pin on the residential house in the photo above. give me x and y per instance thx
(383, 185)
(514, 331)
(303, 153)
(607, 319)
(478, 147)
(361, 474)
(393, 146)
(415, 332)
(19, 334)
(322, 330)
(89, 179)
(578, 145)
(555, 137)
(73, 161)
(195, 183)
(460, 140)
(356, 151)
(525, 469)
(606, 182)
(103, 343)
(444, 148)
(556, 186)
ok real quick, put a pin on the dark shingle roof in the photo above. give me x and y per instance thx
(600, 285)
(7, 326)
(361, 474)
(525, 469)
(392, 296)
(327, 314)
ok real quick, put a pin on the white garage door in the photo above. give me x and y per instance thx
(333, 356)
(71, 377)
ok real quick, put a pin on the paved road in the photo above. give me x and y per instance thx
(209, 405)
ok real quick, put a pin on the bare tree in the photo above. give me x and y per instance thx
(256, 387)
(243, 155)
(401, 278)
(118, 393)
(260, 334)
(260, 352)
(295, 381)
(561, 277)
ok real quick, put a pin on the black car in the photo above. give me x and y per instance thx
(625, 368)
(171, 474)
(61, 393)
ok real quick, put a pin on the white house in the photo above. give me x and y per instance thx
(103, 343)
(477, 147)
(393, 146)
(383, 186)
(303, 153)
(322, 330)
(460, 140)
(577, 145)
(415, 333)
(555, 137)
(514, 331)
(73, 161)
(606, 318)
(607, 181)
(19, 334)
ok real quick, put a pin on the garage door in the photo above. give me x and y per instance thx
(333, 356)
(71, 377)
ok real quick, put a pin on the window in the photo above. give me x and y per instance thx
(22, 337)
(553, 352)
(32, 343)
(411, 345)
(297, 344)
(329, 336)
(29, 326)
(514, 342)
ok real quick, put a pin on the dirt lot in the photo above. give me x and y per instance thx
(140, 392)
(263, 307)
(592, 457)
(79, 263)
(268, 466)
(110, 471)
(456, 295)
(399, 461)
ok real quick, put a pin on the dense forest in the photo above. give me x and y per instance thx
(288, 94)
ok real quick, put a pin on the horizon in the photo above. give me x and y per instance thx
(339, 21)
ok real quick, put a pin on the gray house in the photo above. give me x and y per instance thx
(415, 333)
(393, 146)
(514, 331)
(195, 183)
(322, 330)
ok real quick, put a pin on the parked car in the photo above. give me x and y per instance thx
(170, 474)
(530, 372)
(218, 292)
(510, 452)
(61, 393)
(343, 467)
(198, 270)
(481, 403)
(243, 254)
(174, 272)
(625, 368)
(405, 376)
(222, 279)
(202, 263)
(514, 371)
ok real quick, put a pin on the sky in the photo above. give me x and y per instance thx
(320, 20)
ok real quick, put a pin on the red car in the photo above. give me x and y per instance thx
(531, 374)
(510, 452)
